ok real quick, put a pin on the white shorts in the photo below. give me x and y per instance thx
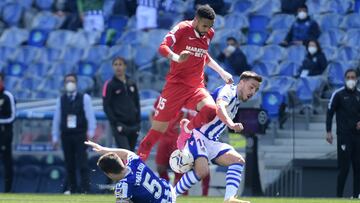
(146, 17)
(201, 146)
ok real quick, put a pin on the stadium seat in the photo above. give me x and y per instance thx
(60, 69)
(144, 55)
(29, 84)
(332, 37)
(73, 55)
(86, 68)
(105, 71)
(281, 21)
(281, 84)
(219, 22)
(52, 84)
(96, 54)
(336, 71)
(252, 52)
(6, 53)
(257, 37)
(51, 55)
(44, 4)
(273, 53)
(351, 21)
(14, 37)
(306, 86)
(109, 37)
(15, 69)
(165, 21)
(236, 21)
(258, 22)
(52, 180)
(330, 21)
(38, 70)
(266, 7)
(46, 20)
(155, 37)
(84, 39)
(12, 83)
(46, 94)
(241, 6)
(124, 50)
(85, 83)
(318, 6)
(296, 53)
(341, 7)
(221, 35)
(27, 54)
(59, 38)
(331, 53)
(37, 37)
(352, 37)
(347, 53)
(117, 22)
(289, 68)
(148, 94)
(133, 37)
(27, 178)
(266, 68)
(357, 6)
(271, 102)
(145, 79)
(12, 13)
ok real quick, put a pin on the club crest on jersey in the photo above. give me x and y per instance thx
(198, 52)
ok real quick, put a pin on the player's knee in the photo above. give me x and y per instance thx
(237, 160)
(209, 111)
(202, 171)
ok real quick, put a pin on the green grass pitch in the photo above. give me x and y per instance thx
(32, 198)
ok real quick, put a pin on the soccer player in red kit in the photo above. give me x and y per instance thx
(184, 86)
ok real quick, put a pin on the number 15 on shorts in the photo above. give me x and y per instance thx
(160, 106)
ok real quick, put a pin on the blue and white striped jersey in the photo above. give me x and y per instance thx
(214, 128)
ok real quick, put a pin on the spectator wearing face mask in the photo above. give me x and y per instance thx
(303, 29)
(315, 61)
(74, 121)
(234, 59)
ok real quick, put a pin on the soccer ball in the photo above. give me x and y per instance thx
(181, 161)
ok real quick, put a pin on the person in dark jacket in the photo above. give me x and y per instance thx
(345, 103)
(122, 106)
(74, 122)
(315, 61)
(303, 29)
(234, 59)
(7, 117)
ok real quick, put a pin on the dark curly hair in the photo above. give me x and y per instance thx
(205, 11)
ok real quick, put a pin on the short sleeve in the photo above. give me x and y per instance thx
(131, 157)
(122, 191)
(226, 93)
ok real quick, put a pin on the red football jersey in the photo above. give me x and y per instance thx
(184, 37)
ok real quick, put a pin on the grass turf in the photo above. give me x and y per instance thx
(32, 198)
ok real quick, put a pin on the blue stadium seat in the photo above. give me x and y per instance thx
(351, 21)
(252, 52)
(331, 53)
(236, 21)
(165, 21)
(341, 7)
(332, 37)
(38, 70)
(84, 39)
(14, 37)
(144, 55)
(306, 86)
(145, 79)
(46, 20)
(219, 22)
(156, 36)
(133, 37)
(52, 180)
(105, 71)
(117, 22)
(12, 13)
(86, 68)
(281, 84)
(37, 37)
(258, 22)
(96, 54)
(271, 101)
(336, 71)
(59, 38)
(289, 68)
(273, 53)
(221, 35)
(357, 6)
(266, 68)
(257, 37)
(73, 55)
(27, 54)
(352, 37)
(281, 21)
(50, 55)
(241, 6)
(6, 53)
(148, 94)
(85, 83)
(109, 37)
(330, 21)
(52, 84)
(26, 4)
(27, 179)
(296, 53)
(16, 69)
(60, 69)
(318, 6)
(347, 53)
(44, 4)
(124, 50)
(29, 84)
(12, 83)
(46, 94)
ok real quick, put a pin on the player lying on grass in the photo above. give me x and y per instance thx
(204, 143)
(135, 181)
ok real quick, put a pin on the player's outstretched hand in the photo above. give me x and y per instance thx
(96, 147)
(227, 77)
(237, 127)
(184, 55)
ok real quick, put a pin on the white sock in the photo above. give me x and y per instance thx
(186, 182)
(233, 178)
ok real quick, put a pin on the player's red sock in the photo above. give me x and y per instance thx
(205, 185)
(164, 175)
(147, 143)
(205, 115)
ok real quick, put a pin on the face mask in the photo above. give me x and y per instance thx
(312, 50)
(229, 50)
(302, 15)
(350, 84)
(70, 87)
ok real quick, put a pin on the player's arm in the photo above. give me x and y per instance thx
(227, 77)
(224, 117)
(122, 153)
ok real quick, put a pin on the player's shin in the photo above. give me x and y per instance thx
(233, 178)
(205, 115)
(186, 182)
(147, 143)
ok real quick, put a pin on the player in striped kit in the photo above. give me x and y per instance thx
(204, 143)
